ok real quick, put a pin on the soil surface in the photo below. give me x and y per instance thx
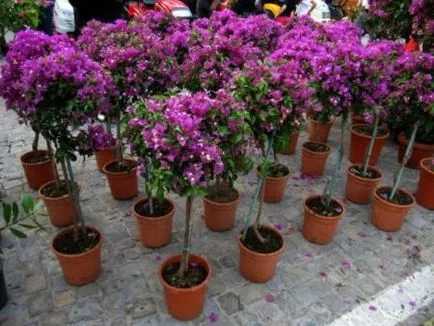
(277, 171)
(367, 130)
(76, 241)
(121, 166)
(370, 173)
(52, 191)
(34, 158)
(273, 241)
(160, 209)
(316, 147)
(400, 198)
(221, 194)
(194, 276)
(318, 207)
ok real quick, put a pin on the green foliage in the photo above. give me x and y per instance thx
(17, 15)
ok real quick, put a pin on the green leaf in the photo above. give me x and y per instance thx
(27, 226)
(15, 211)
(18, 233)
(27, 204)
(7, 212)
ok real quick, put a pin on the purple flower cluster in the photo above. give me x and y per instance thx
(100, 138)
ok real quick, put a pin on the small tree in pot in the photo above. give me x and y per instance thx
(28, 45)
(63, 91)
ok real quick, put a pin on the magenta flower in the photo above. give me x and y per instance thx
(213, 317)
(308, 253)
(372, 308)
(270, 298)
(346, 264)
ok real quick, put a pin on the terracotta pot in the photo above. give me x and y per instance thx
(123, 185)
(220, 216)
(388, 216)
(357, 119)
(154, 232)
(292, 144)
(81, 268)
(420, 151)
(37, 174)
(360, 190)
(274, 189)
(61, 210)
(319, 131)
(313, 163)
(317, 228)
(185, 304)
(258, 267)
(104, 156)
(359, 144)
(424, 194)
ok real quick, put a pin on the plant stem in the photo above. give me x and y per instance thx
(258, 218)
(119, 155)
(187, 238)
(74, 193)
(51, 155)
(408, 152)
(370, 148)
(338, 162)
(35, 141)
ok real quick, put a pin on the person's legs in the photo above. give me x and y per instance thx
(47, 18)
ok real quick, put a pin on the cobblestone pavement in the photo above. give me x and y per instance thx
(365, 277)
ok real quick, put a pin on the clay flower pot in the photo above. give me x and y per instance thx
(259, 267)
(359, 142)
(292, 144)
(420, 151)
(388, 216)
(320, 229)
(38, 173)
(274, 187)
(104, 156)
(83, 268)
(319, 131)
(220, 217)
(424, 194)
(154, 231)
(123, 185)
(360, 189)
(61, 210)
(312, 162)
(185, 304)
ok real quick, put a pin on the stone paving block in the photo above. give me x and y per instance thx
(16, 320)
(39, 303)
(230, 303)
(54, 319)
(35, 283)
(64, 298)
(251, 292)
(85, 310)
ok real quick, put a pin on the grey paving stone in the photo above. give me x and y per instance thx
(141, 308)
(35, 283)
(54, 319)
(85, 310)
(39, 303)
(230, 303)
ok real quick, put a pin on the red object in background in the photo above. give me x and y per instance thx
(138, 8)
(284, 20)
(412, 45)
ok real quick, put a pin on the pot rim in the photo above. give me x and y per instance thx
(224, 204)
(367, 136)
(422, 166)
(57, 253)
(57, 198)
(34, 164)
(362, 178)
(331, 120)
(377, 197)
(317, 142)
(192, 289)
(260, 254)
(338, 217)
(152, 218)
(105, 171)
(291, 172)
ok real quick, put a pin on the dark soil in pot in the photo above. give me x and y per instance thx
(273, 242)
(370, 173)
(124, 166)
(367, 130)
(36, 157)
(194, 275)
(76, 241)
(277, 171)
(221, 194)
(400, 198)
(316, 205)
(316, 147)
(160, 209)
(52, 191)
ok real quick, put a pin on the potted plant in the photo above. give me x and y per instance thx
(392, 204)
(103, 144)
(410, 101)
(363, 179)
(276, 102)
(18, 223)
(38, 167)
(187, 149)
(322, 213)
(61, 100)
(292, 140)
(426, 183)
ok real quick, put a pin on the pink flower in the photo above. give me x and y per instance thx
(270, 298)
(308, 253)
(346, 264)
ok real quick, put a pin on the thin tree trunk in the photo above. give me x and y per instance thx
(35, 141)
(74, 193)
(187, 238)
(258, 217)
(370, 148)
(119, 154)
(53, 159)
